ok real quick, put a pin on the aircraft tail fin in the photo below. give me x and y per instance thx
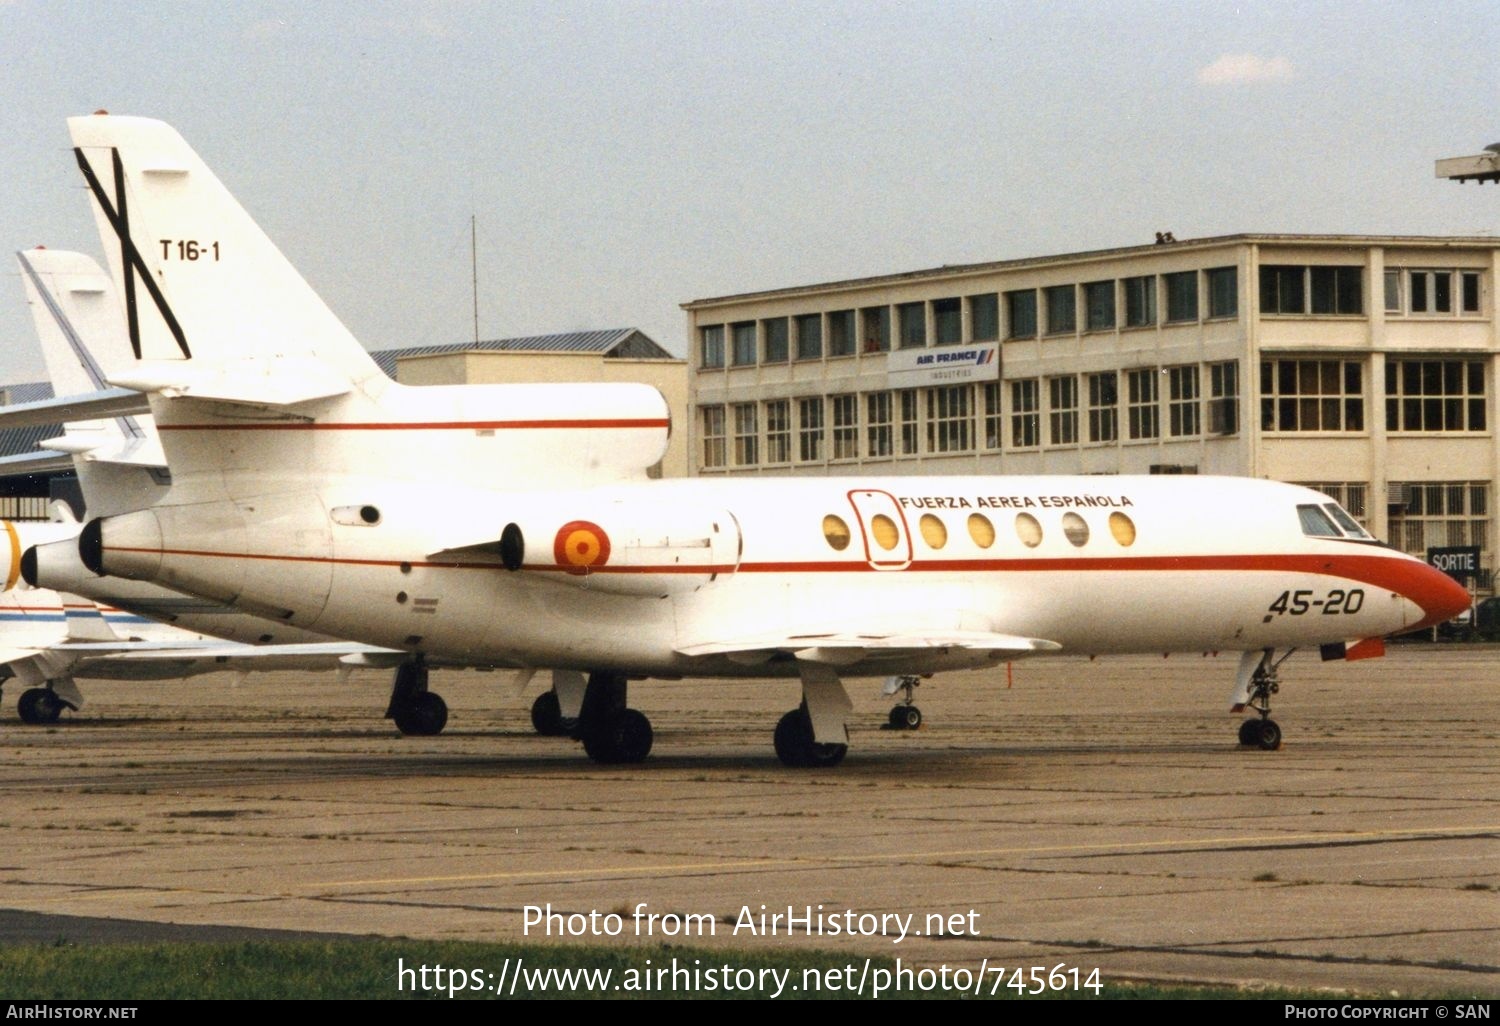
(119, 460)
(85, 620)
(213, 310)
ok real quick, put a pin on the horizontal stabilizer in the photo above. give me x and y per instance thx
(110, 402)
(44, 461)
(846, 649)
(283, 381)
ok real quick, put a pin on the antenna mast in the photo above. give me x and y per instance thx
(474, 268)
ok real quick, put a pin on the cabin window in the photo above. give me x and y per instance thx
(884, 530)
(1075, 529)
(934, 532)
(981, 530)
(1123, 528)
(1316, 524)
(836, 532)
(1029, 530)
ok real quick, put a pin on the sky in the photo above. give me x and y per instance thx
(619, 159)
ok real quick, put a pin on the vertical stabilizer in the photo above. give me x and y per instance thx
(212, 308)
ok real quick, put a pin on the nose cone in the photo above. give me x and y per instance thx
(1440, 596)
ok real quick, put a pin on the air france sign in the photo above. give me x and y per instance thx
(1460, 562)
(944, 364)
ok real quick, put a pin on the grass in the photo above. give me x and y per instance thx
(364, 969)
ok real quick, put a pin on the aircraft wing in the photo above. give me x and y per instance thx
(845, 649)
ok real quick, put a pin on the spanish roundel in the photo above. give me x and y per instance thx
(580, 546)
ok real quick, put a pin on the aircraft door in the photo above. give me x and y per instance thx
(882, 525)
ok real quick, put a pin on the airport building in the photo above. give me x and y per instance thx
(1365, 366)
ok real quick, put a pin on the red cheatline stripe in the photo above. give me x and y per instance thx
(1386, 572)
(436, 425)
(1415, 580)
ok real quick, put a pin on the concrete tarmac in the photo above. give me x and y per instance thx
(1089, 815)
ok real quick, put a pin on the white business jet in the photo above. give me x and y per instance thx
(514, 524)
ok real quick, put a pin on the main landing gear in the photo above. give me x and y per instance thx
(815, 734)
(904, 714)
(611, 732)
(41, 706)
(1260, 731)
(416, 711)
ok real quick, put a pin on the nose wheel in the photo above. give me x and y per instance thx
(904, 714)
(1261, 731)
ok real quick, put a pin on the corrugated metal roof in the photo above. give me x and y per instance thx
(626, 342)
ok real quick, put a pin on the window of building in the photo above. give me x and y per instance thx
(1224, 398)
(1298, 289)
(878, 423)
(1020, 311)
(1434, 395)
(1062, 309)
(711, 346)
(992, 415)
(1283, 289)
(810, 337)
(1104, 406)
(742, 353)
(845, 426)
(1223, 292)
(810, 429)
(774, 332)
(1140, 301)
(1434, 292)
(947, 322)
(746, 435)
(1312, 395)
(1025, 414)
(1438, 514)
(779, 431)
(984, 317)
(1393, 292)
(1183, 417)
(910, 410)
(911, 322)
(1182, 296)
(1336, 290)
(1099, 299)
(950, 419)
(875, 329)
(1062, 415)
(1142, 403)
(714, 446)
(841, 333)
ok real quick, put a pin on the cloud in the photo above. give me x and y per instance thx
(1237, 68)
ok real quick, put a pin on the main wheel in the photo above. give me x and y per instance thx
(39, 706)
(424, 716)
(1268, 735)
(795, 745)
(546, 716)
(625, 737)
